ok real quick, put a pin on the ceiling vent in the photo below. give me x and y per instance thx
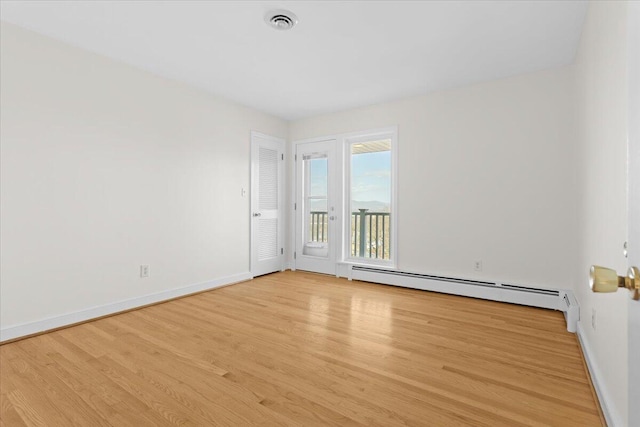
(281, 19)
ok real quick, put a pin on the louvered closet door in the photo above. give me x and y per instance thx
(266, 204)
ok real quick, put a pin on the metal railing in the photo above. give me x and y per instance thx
(370, 235)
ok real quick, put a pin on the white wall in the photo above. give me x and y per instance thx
(485, 172)
(104, 168)
(602, 104)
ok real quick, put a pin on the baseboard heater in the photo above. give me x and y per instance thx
(562, 300)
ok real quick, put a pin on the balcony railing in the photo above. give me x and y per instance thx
(370, 232)
(318, 226)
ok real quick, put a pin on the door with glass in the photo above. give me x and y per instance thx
(316, 213)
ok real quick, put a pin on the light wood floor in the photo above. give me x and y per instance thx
(303, 349)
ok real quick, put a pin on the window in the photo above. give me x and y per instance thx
(315, 204)
(370, 195)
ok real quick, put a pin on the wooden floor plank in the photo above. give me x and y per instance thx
(298, 349)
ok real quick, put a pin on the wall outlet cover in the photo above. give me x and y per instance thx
(144, 270)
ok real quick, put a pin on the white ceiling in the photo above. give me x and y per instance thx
(342, 54)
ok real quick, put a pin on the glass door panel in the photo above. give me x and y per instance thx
(316, 218)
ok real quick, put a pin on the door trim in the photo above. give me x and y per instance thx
(281, 198)
(633, 204)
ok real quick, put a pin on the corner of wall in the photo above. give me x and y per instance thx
(606, 400)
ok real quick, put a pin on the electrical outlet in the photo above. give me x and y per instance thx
(144, 271)
(593, 318)
(477, 265)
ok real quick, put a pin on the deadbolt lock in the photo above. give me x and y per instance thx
(603, 279)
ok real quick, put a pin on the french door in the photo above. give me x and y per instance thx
(316, 211)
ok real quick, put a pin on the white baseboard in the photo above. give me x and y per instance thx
(609, 410)
(561, 300)
(25, 329)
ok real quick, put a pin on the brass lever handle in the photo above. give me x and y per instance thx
(603, 279)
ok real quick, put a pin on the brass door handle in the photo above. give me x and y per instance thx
(603, 279)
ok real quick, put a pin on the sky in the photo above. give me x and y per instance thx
(370, 177)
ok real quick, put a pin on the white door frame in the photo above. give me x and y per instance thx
(255, 137)
(633, 189)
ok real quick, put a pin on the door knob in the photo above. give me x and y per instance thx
(257, 214)
(603, 279)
